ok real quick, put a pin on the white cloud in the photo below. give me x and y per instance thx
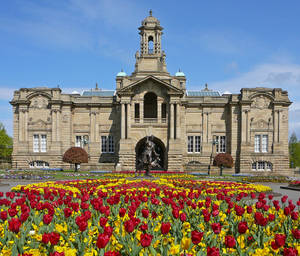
(271, 75)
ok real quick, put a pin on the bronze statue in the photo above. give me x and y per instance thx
(149, 157)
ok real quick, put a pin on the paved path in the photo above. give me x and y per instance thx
(293, 195)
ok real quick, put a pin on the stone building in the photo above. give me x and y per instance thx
(189, 127)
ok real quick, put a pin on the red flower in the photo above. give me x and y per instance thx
(24, 216)
(47, 219)
(102, 240)
(287, 211)
(54, 238)
(242, 227)
(122, 212)
(145, 213)
(3, 215)
(280, 240)
(290, 252)
(14, 225)
(154, 215)
(46, 238)
(196, 236)
(213, 251)
(108, 230)
(216, 227)
(129, 226)
(165, 228)
(103, 221)
(295, 215)
(229, 241)
(183, 217)
(296, 233)
(82, 225)
(146, 240)
(57, 254)
(67, 212)
(144, 227)
(271, 217)
(175, 213)
(12, 212)
(110, 253)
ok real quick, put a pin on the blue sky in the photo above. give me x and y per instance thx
(75, 43)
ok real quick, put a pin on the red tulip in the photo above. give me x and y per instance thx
(165, 228)
(146, 240)
(230, 241)
(102, 240)
(196, 236)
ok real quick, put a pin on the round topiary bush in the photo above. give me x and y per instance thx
(75, 155)
(223, 160)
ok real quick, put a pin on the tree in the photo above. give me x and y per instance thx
(75, 155)
(224, 160)
(6, 143)
(294, 150)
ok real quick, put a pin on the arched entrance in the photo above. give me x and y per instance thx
(159, 148)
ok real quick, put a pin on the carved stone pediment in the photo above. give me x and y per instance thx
(260, 124)
(261, 102)
(39, 102)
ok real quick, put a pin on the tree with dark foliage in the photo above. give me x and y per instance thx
(223, 160)
(75, 155)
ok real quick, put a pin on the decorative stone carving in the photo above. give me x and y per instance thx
(65, 118)
(260, 102)
(39, 102)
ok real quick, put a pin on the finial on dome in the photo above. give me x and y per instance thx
(206, 87)
(96, 86)
(150, 13)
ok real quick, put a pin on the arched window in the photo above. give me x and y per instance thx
(150, 45)
(262, 166)
(150, 105)
(38, 164)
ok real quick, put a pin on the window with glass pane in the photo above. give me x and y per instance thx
(43, 143)
(261, 165)
(111, 147)
(264, 144)
(269, 166)
(78, 142)
(190, 144)
(257, 143)
(136, 110)
(221, 144)
(39, 164)
(103, 144)
(36, 143)
(197, 144)
(164, 110)
(254, 166)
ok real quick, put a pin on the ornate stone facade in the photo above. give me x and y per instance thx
(189, 127)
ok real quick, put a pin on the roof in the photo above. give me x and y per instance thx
(202, 93)
(99, 93)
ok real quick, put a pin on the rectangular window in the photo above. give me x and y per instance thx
(220, 144)
(190, 144)
(136, 110)
(103, 144)
(264, 144)
(261, 143)
(257, 143)
(36, 143)
(254, 166)
(43, 143)
(163, 110)
(197, 144)
(79, 141)
(111, 145)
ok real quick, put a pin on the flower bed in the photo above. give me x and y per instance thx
(133, 217)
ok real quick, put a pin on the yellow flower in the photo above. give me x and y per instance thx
(185, 243)
(175, 249)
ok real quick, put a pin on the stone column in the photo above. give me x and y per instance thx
(122, 121)
(172, 121)
(209, 137)
(204, 127)
(142, 112)
(58, 113)
(244, 128)
(26, 126)
(279, 117)
(53, 125)
(247, 125)
(128, 119)
(159, 112)
(21, 117)
(178, 111)
(275, 126)
(92, 126)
